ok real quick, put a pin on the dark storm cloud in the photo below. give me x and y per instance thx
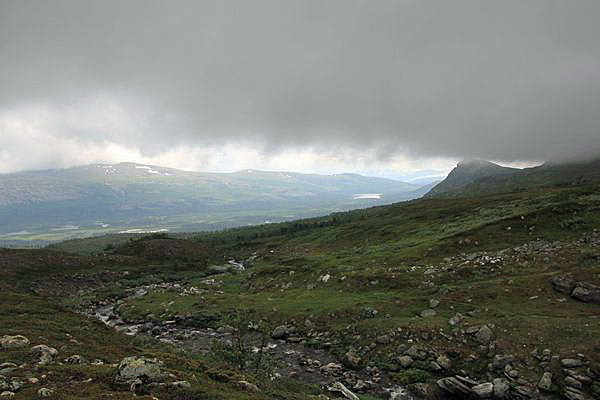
(500, 80)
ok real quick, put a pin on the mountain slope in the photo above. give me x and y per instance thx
(128, 196)
(485, 177)
(468, 171)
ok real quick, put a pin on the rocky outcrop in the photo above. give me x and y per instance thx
(13, 342)
(139, 368)
(582, 291)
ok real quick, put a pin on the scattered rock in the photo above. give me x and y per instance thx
(383, 339)
(500, 388)
(443, 362)
(563, 284)
(181, 384)
(352, 361)
(7, 394)
(142, 368)
(587, 293)
(416, 353)
(13, 342)
(484, 335)
(433, 303)
(45, 392)
(502, 360)
(571, 362)
(46, 353)
(281, 332)
(483, 390)
(250, 387)
(405, 361)
(454, 386)
(338, 387)
(545, 382)
(427, 313)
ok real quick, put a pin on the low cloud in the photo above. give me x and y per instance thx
(508, 80)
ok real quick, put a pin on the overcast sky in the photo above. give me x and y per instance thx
(380, 87)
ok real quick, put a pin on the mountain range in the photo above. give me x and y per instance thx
(98, 198)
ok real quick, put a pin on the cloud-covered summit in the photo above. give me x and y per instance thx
(508, 80)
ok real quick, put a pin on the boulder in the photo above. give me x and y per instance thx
(180, 384)
(45, 392)
(587, 293)
(46, 353)
(545, 382)
(571, 362)
(500, 388)
(13, 342)
(416, 353)
(433, 303)
(142, 368)
(563, 284)
(405, 361)
(7, 393)
(443, 361)
(247, 386)
(338, 387)
(427, 313)
(484, 335)
(281, 332)
(352, 361)
(383, 339)
(453, 386)
(483, 390)
(502, 360)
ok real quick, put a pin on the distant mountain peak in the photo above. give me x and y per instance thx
(468, 171)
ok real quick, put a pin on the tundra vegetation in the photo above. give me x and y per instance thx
(490, 295)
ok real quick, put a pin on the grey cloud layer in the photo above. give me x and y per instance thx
(501, 80)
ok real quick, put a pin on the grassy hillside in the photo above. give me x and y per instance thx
(376, 299)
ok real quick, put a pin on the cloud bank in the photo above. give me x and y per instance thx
(510, 80)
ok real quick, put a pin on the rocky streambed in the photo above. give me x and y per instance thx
(286, 348)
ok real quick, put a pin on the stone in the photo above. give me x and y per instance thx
(433, 303)
(500, 388)
(352, 361)
(46, 353)
(338, 387)
(545, 382)
(383, 339)
(142, 368)
(45, 392)
(587, 293)
(181, 384)
(484, 335)
(416, 353)
(563, 284)
(483, 390)
(572, 382)
(571, 362)
(331, 368)
(502, 360)
(13, 342)
(427, 313)
(456, 319)
(572, 393)
(280, 332)
(405, 361)
(454, 386)
(443, 362)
